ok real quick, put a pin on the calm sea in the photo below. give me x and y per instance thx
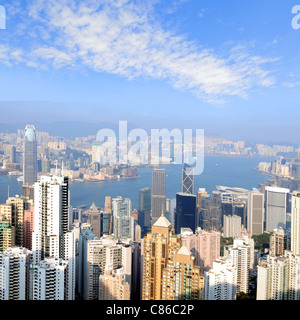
(225, 171)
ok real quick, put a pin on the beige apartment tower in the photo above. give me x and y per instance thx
(158, 248)
(169, 271)
(113, 285)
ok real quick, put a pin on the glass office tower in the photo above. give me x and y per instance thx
(186, 212)
(30, 156)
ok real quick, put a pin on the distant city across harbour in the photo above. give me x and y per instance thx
(224, 171)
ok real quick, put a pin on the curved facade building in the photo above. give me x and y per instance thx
(30, 156)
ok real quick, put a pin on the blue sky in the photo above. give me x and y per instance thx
(229, 67)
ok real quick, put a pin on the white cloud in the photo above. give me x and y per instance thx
(122, 37)
(58, 58)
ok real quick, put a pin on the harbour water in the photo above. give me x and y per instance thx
(224, 171)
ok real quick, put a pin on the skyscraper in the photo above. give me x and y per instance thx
(94, 219)
(123, 221)
(182, 280)
(205, 246)
(216, 211)
(18, 206)
(205, 212)
(99, 254)
(158, 193)
(186, 212)
(240, 253)
(295, 223)
(278, 277)
(12, 155)
(30, 156)
(221, 280)
(14, 267)
(158, 248)
(48, 280)
(187, 179)
(200, 192)
(277, 207)
(255, 215)
(52, 236)
(144, 218)
(113, 285)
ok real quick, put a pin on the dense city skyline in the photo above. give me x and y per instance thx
(149, 151)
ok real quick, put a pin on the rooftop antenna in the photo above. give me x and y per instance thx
(62, 167)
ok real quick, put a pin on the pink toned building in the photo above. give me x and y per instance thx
(205, 245)
(28, 227)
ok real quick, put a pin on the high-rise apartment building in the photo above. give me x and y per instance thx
(48, 280)
(255, 214)
(113, 285)
(278, 277)
(52, 236)
(28, 226)
(101, 253)
(295, 223)
(18, 206)
(277, 207)
(14, 271)
(30, 156)
(7, 235)
(205, 246)
(278, 242)
(241, 259)
(158, 248)
(182, 280)
(158, 193)
(85, 235)
(221, 280)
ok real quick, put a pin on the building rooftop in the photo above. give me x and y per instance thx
(184, 251)
(162, 222)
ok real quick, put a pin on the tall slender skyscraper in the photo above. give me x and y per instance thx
(295, 223)
(30, 156)
(52, 236)
(187, 179)
(158, 193)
